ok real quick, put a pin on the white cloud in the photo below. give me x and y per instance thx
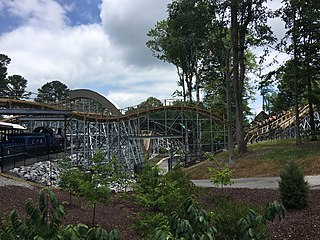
(110, 58)
(37, 13)
(81, 57)
(127, 23)
(71, 54)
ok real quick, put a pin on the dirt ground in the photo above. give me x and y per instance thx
(121, 213)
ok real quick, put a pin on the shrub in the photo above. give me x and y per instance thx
(221, 174)
(225, 216)
(44, 221)
(250, 225)
(91, 181)
(164, 193)
(294, 190)
(147, 223)
(193, 224)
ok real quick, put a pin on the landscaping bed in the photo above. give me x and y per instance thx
(122, 212)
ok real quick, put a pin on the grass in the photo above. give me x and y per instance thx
(266, 159)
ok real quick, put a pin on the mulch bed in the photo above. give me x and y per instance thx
(121, 212)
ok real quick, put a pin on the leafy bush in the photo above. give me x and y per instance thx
(221, 174)
(163, 150)
(147, 223)
(91, 181)
(225, 216)
(147, 185)
(164, 193)
(45, 222)
(177, 187)
(194, 224)
(294, 190)
(250, 225)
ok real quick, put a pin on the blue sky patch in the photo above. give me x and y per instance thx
(78, 12)
(82, 11)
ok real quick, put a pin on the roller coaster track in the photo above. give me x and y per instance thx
(10, 104)
(276, 127)
(121, 135)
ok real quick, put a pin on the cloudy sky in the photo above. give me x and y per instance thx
(94, 44)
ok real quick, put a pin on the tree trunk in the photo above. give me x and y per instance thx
(295, 78)
(239, 35)
(310, 102)
(197, 87)
(229, 110)
(238, 89)
(94, 214)
(189, 85)
(309, 89)
(182, 83)
(242, 147)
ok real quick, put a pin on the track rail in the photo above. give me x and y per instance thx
(10, 104)
(276, 127)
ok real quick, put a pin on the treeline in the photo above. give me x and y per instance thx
(211, 44)
(14, 86)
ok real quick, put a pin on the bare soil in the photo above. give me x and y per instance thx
(122, 212)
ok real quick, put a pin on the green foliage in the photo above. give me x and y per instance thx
(163, 150)
(221, 174)
(11, 86)
(225, 216)
(150, 103)
(43, 222)
(194, 224)
(69, 175)
(92, 181)
(51, 92)
(17, 87)
(82, 232)
(163, 193)
(221, 177)
(147, 223)
(250, 225)
(294, 190)
(4, 62)
(182, 39)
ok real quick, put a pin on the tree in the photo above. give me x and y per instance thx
(151, 102)
(54, 91)
(302, 24)
(13, 86)
(221, 174)
(283, 77)
(4, 62)
(91, 181)
(235, 27)
(294, 189)
(181, 39)
(248, 28)
(69, 176)
(216, 74)
(17, 87)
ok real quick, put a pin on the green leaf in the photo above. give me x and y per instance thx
(251, 232)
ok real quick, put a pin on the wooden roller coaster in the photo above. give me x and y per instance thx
(275, 126)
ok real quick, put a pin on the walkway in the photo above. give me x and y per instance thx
(262, 182)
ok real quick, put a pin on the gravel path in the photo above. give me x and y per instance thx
(6, 181)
